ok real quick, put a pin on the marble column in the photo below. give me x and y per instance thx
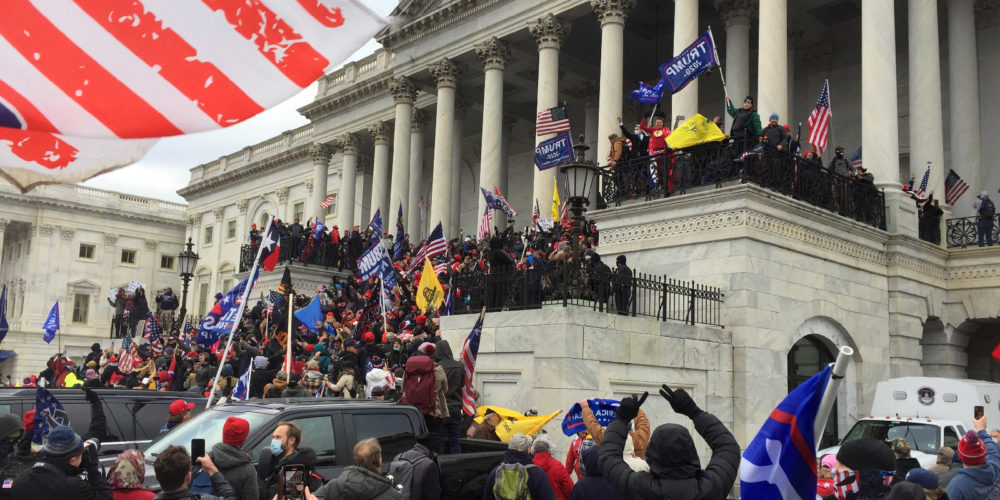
(380, 132)
(772, 59)
(926, 142)
(611, 16)
(412, 211)
(348, 145)
(321, 164)
(737, 15)
(445, 73)
(455, 202)
(686, 30)
(404, 93)
(494, 56)
(963, 100)
(879, 112)
(549, 33)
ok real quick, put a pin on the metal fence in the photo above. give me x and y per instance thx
(964, 232)
(597, 288)
(674, 172)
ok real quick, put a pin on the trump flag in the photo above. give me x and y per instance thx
(780, 462)
(88, 86)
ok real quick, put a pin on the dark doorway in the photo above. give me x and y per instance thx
(806, 358)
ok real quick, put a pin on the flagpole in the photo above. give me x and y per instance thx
(830, 395)
(239, 316)
(381, 299)
(288, 337)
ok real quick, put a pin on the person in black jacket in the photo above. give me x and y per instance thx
(173, 472)
(455, 373)
(674, 469)
(56, 475)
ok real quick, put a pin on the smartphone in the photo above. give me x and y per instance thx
(978, 412)
(292, 482)
(197, 450)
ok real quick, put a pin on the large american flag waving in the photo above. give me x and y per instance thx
(88, 85)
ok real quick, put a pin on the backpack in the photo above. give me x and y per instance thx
(401, 471)
(418, 384)
(511, 482)
(986, 209)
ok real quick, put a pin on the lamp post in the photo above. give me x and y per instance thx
(580, 177)
(186, 260)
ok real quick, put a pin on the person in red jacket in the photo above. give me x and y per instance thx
(541, 455)
(658, 134)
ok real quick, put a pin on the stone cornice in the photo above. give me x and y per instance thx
(433, 22)
(252, 170)
(356, 94)
(9, 199)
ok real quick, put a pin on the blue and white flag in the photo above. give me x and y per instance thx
(4, 327)
(691, 63)
(647, 94)
(397, 245)
(222, 318)
(554, 151)
(490, 202)
(604, 411)
(318, 230)
(376, 226)
(242, 389)
(310, 314)
(375, 262)
(51, 325)
(49, 414)
(780, 462)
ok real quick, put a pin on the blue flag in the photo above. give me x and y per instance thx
(49, 414)
(242, 389)
(376, 225)
(310, 314)
(647, 94)
(222, 318)
(318, 230)
(604, 411)
(397, 245)
(691, 63)
(4, 327)
(490, 202)
(780, 462)
(51, 324)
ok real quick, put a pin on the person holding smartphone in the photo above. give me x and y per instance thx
(173, 472)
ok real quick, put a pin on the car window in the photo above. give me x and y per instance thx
(380, 425)
(206, 425)
(950, 437)
(149, 417)
(317, 433)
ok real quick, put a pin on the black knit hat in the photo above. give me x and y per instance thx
(749, 99)
(866, 454)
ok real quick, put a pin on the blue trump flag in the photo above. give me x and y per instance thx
(318, 229)
(604, 411)
(49, 414)
(222, 317)
(694, 60)
(780, 462)
(310, 314)
(490, 202)
(397, 245)
(554, 151)
(51, 324)
(4, 328)
(376, 225)
(647, 94)
(242, 389)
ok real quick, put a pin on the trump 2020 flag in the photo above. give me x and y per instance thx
(49, 413)
(242, 389)
(780, 462)
(88, 86)
(51, 325)
(647, 94)
(604, 412)
(222, 318)
(691, 63)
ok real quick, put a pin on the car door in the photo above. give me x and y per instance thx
(317, 433)
(394, 429)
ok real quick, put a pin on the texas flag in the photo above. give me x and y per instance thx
(780, 462)
(88, 86)
(270, 247)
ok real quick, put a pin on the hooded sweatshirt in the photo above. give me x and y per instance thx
(592, 486)
(238, 469)
(360, 483)
(981, 481)
(944, 455)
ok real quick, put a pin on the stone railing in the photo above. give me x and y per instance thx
(252, 153)
(354, 72)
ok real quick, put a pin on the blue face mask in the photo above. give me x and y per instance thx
(276, 447)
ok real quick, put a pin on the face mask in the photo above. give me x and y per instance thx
(275, 446)
(395, 349)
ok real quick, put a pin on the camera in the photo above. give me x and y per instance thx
(91, 450)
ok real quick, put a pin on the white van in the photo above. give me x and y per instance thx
(929, 412)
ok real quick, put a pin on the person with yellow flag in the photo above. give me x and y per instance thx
(429, 292)
(510, 422)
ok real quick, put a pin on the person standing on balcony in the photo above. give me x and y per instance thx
(840, 165)
(621, 284)
(774, 135)
(639, 139)
(986, 211)
(746, 125)
(295, 233)
(119, 318)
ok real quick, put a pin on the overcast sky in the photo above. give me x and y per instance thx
(165, 169)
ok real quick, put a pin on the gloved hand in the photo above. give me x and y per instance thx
(92, 456)
(680, 401)
(91, 396)
(629, 407)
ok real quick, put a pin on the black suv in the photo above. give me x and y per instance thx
(332, 427)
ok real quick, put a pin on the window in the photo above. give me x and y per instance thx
(209, 235)
(299, 210)
(231, 229)
(950, 437)
(166, 262)
(394, 431)
(227, 284)
(86, 251)
(202, 299)
(317, 433)
(81, 306)
(128, 257)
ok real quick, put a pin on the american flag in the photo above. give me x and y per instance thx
(70, 69)
(153, 328)
(329, 201)
(819, 120)
(470, 351)
(954, 187)
(922, 190)
(273, 299)
(856, 158)
(126, 356)
(552, 121)
(535, 215)
(434, 246)
(441, 267)
(485, 224)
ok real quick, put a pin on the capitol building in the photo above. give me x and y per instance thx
(448, 103)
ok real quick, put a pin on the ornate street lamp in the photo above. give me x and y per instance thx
(186, 260)
(580, 177)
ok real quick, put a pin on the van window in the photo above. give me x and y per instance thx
(950, 437)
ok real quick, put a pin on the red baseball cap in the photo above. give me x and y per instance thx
(180, 406)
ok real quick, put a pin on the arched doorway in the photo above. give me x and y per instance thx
(806, 358)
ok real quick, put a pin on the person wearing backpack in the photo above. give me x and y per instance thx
(425, 385)
(987, 211)
(517, 478)
(416, 473)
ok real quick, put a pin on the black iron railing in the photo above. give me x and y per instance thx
(674, 172)
(597, 288)
(964, 232)
(323, 253)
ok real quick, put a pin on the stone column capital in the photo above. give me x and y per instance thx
(348, 143)
(242, 206)
(816, 58)
(381, 132)
(365, 163)
(151, 244)
(66, 233)
(549, 32)
(320, 153)
(3, 224)
(218, 212)
(419, 120)
(493, 53)
(736, 12)
(611, 11)
(588, 92)
(282, 194)
(43, 229)
(987, 13)
(403, 90)
(445, 72)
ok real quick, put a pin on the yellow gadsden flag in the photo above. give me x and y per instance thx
(693, 131)
(513, 422)
(555, 201)
(429, 293)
